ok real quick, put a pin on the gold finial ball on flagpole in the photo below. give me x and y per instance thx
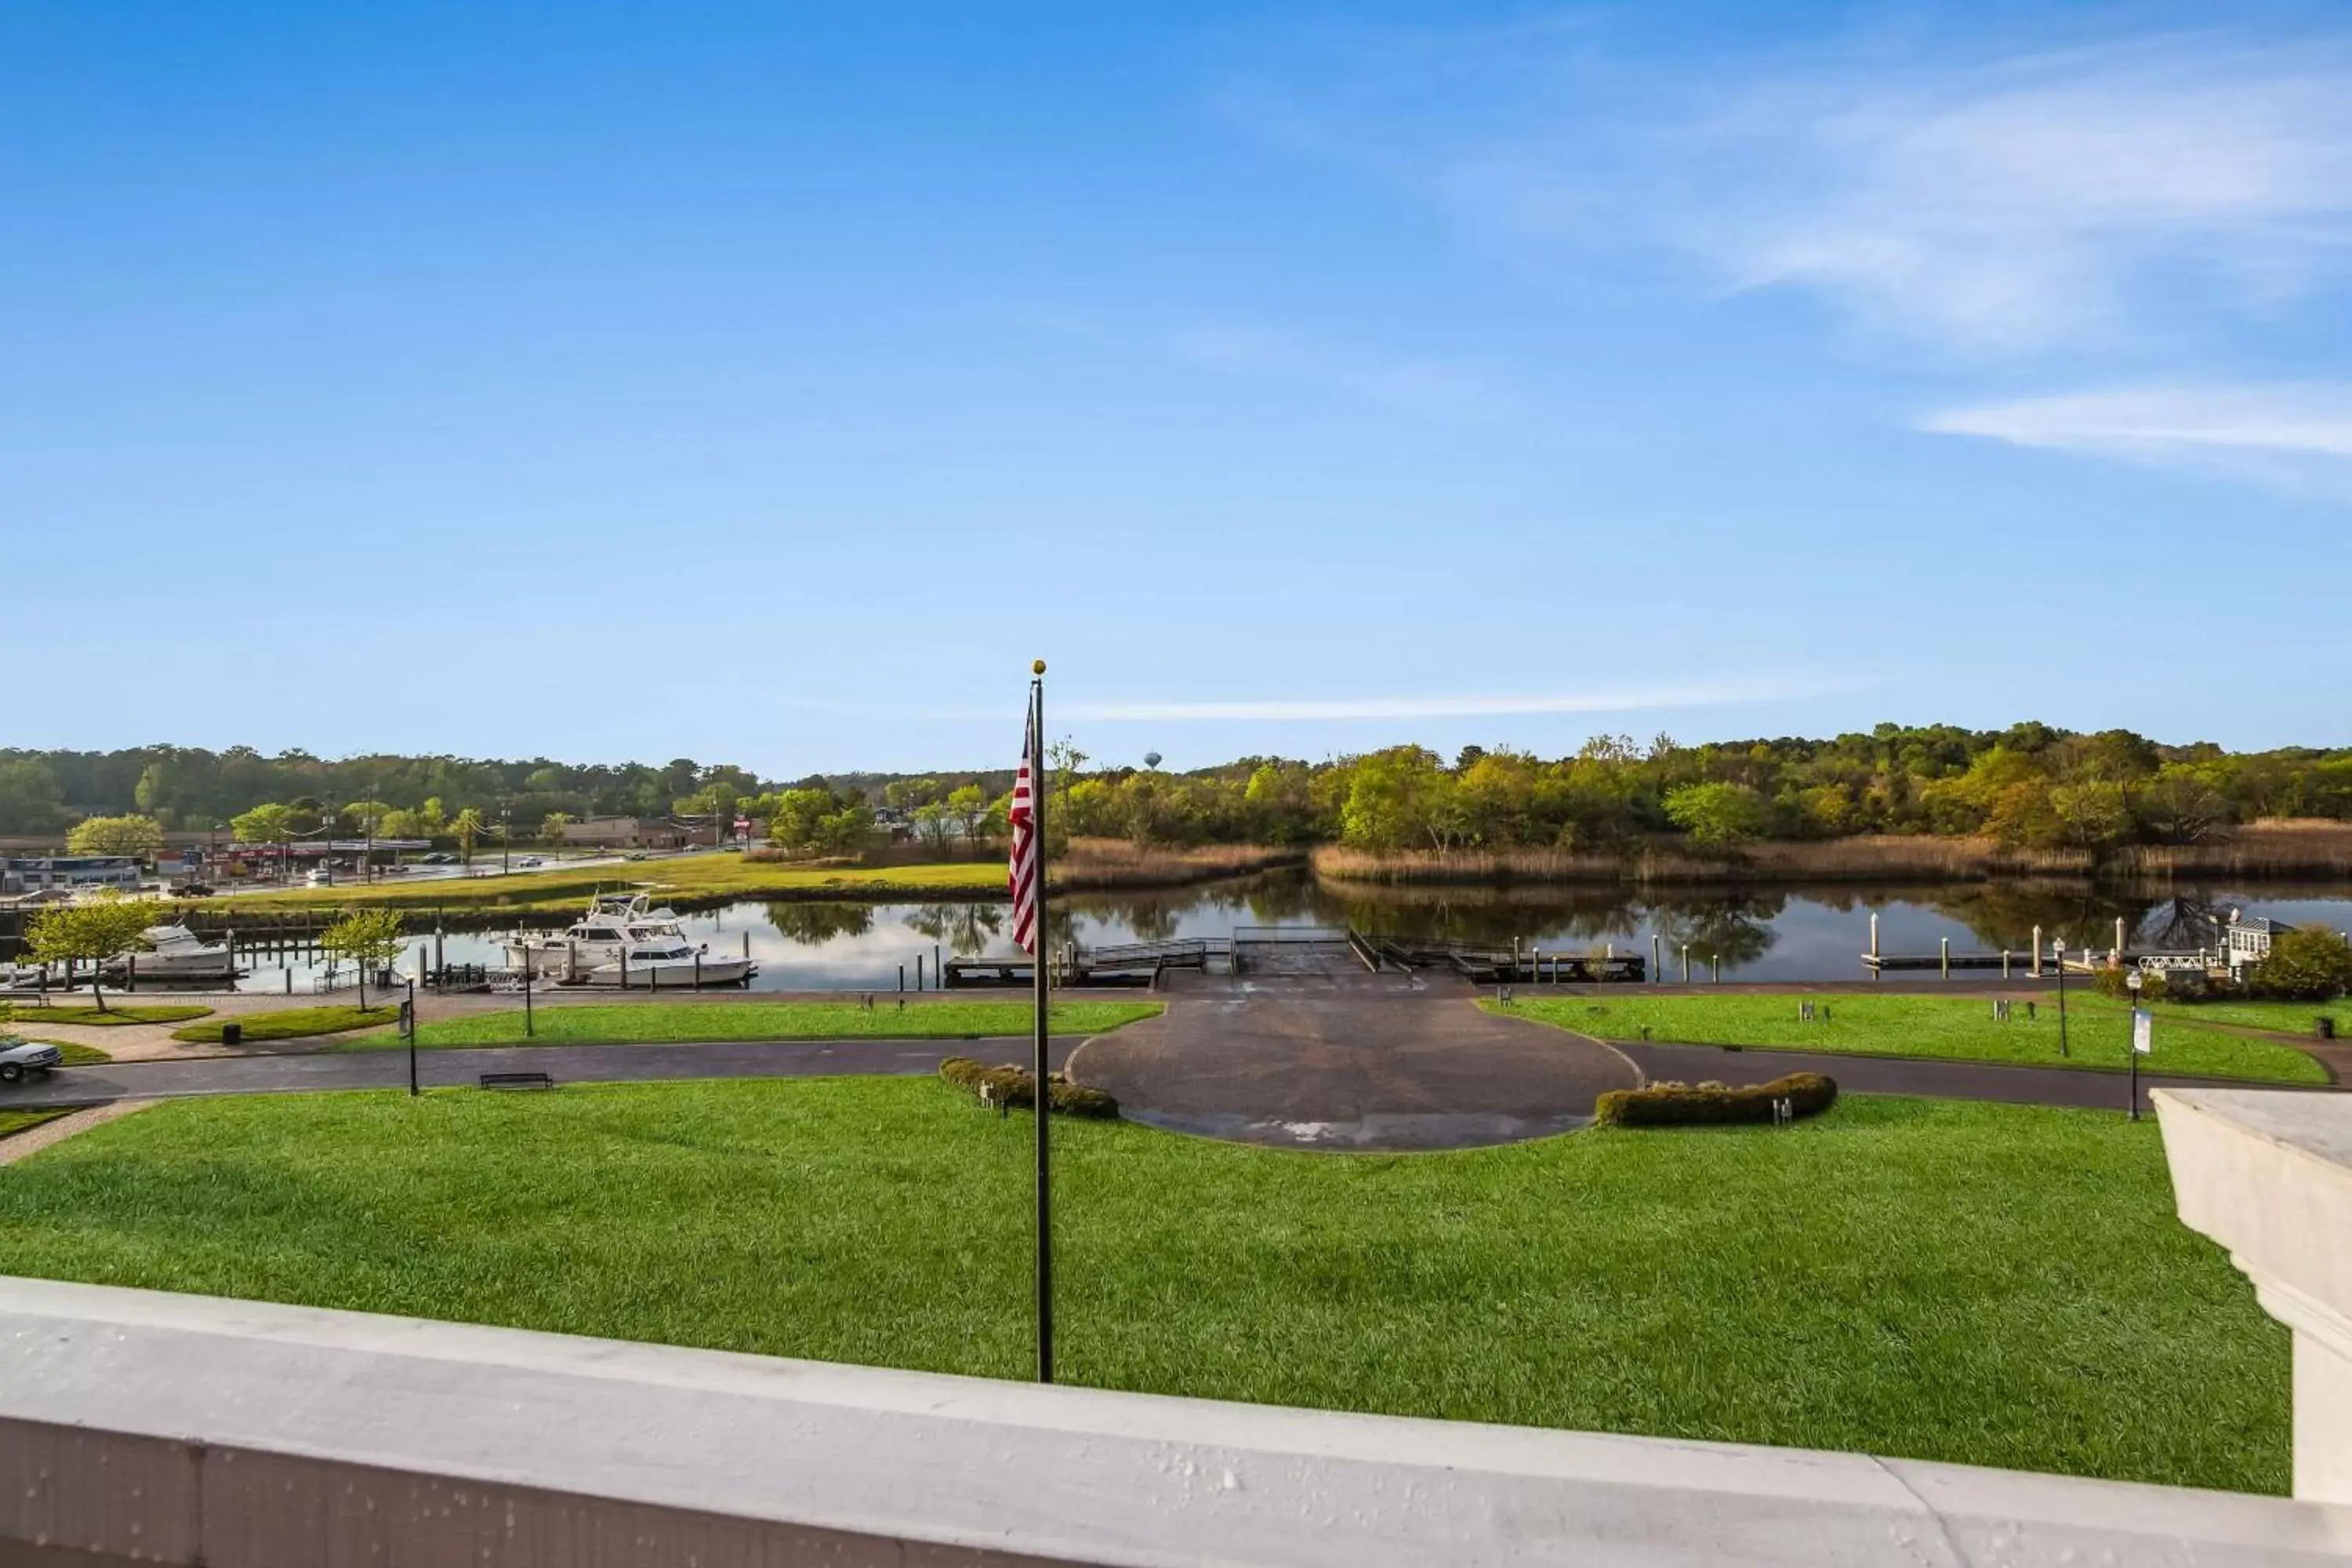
(1037, 667)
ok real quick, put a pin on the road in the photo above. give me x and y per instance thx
(457, 1068)
(291, 1073)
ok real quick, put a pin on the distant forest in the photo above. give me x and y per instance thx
(2030, 785)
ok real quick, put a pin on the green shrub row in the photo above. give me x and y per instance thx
(1016, 1086)
(1683, 1105)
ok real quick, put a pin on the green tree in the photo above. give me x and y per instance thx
(89, 934)
(369, 938)
(1394, 800)
(137, 836)
(551, 826)
(467, 827)
(30, 798)
(1718, 814)
(269, 823)
(795, 819)
(2307, 964)
(969, 803)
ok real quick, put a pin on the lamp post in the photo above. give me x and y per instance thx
(2132, 983)
(2058, 950)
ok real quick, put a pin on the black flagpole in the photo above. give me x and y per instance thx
(1039, 965)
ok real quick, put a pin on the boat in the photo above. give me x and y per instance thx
(666, 963)
(176, 952)
(599, 937)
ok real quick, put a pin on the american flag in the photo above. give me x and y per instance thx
(1024, 820)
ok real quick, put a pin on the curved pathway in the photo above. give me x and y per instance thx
(1349, 1061)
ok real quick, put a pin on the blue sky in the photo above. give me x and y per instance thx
(770, 384)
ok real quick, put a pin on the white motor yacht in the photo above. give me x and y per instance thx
(177, 953)
(599, 937)
(663, 962)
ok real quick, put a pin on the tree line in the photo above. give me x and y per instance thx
(2029, 785)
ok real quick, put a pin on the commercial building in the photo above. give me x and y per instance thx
(39, 873)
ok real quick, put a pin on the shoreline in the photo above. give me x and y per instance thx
(2261, 852)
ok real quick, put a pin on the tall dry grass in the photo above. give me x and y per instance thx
(2282, 848)
(1102, 864)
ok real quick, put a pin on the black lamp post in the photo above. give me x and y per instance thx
(2132, 983)
(2058, 948)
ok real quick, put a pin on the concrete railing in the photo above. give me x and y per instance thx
(2269, 1176)
(176, 1429)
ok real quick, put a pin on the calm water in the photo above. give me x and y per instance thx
(1793, 933)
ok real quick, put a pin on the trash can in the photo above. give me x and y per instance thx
(2322, 1028)
(231, 1034)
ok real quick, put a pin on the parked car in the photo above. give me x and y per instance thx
(19, 1056)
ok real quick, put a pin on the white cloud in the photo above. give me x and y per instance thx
(1696, 695)
(1993, 205)
(2291, 436)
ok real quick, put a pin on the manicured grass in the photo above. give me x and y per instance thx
(1959, 1029)
(15, 1122)
(592, 1023)
(2287, 1017)
(1997, 1284)
(293, 1023)
(690, 876)
(117, 1014)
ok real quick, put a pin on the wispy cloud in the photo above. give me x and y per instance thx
(1994, 204)
(1441, 390)
(1290, 710)
(2292, 435)
(1725, 693)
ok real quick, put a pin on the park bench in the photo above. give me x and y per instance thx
(517, 1080)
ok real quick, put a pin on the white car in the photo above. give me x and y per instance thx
(19, 1057)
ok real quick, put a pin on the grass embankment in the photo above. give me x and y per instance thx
(689, 878)
(1995, 1285)
(116, 1014)
(1954, 1028)
(293, 1023)
(15, 1122)
(659, 1021)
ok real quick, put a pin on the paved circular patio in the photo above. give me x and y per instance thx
(1360, 1062)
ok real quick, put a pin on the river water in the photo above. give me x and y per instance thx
(1790, 932)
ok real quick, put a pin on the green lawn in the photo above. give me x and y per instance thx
(1997, 1285)
(1953, 1027)
(2288, 1017)
(593, 1023)
(116, 1014)
(15, 1122)
(293, 1023)
(685, 876)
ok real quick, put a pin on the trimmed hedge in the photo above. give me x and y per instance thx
(1682, 1105)
(1017, 1086)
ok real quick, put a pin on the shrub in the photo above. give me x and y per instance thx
(2155, 987)
(1016, 1086)
(2310, 964)
(1681, 1105)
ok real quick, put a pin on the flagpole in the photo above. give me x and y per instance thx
(1040, 964)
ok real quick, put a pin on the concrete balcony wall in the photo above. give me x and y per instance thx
(2268, 1175)
(142, 1427)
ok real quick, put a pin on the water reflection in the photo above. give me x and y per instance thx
(1783, 933)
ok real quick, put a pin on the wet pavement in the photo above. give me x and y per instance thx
(1348, 1061)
